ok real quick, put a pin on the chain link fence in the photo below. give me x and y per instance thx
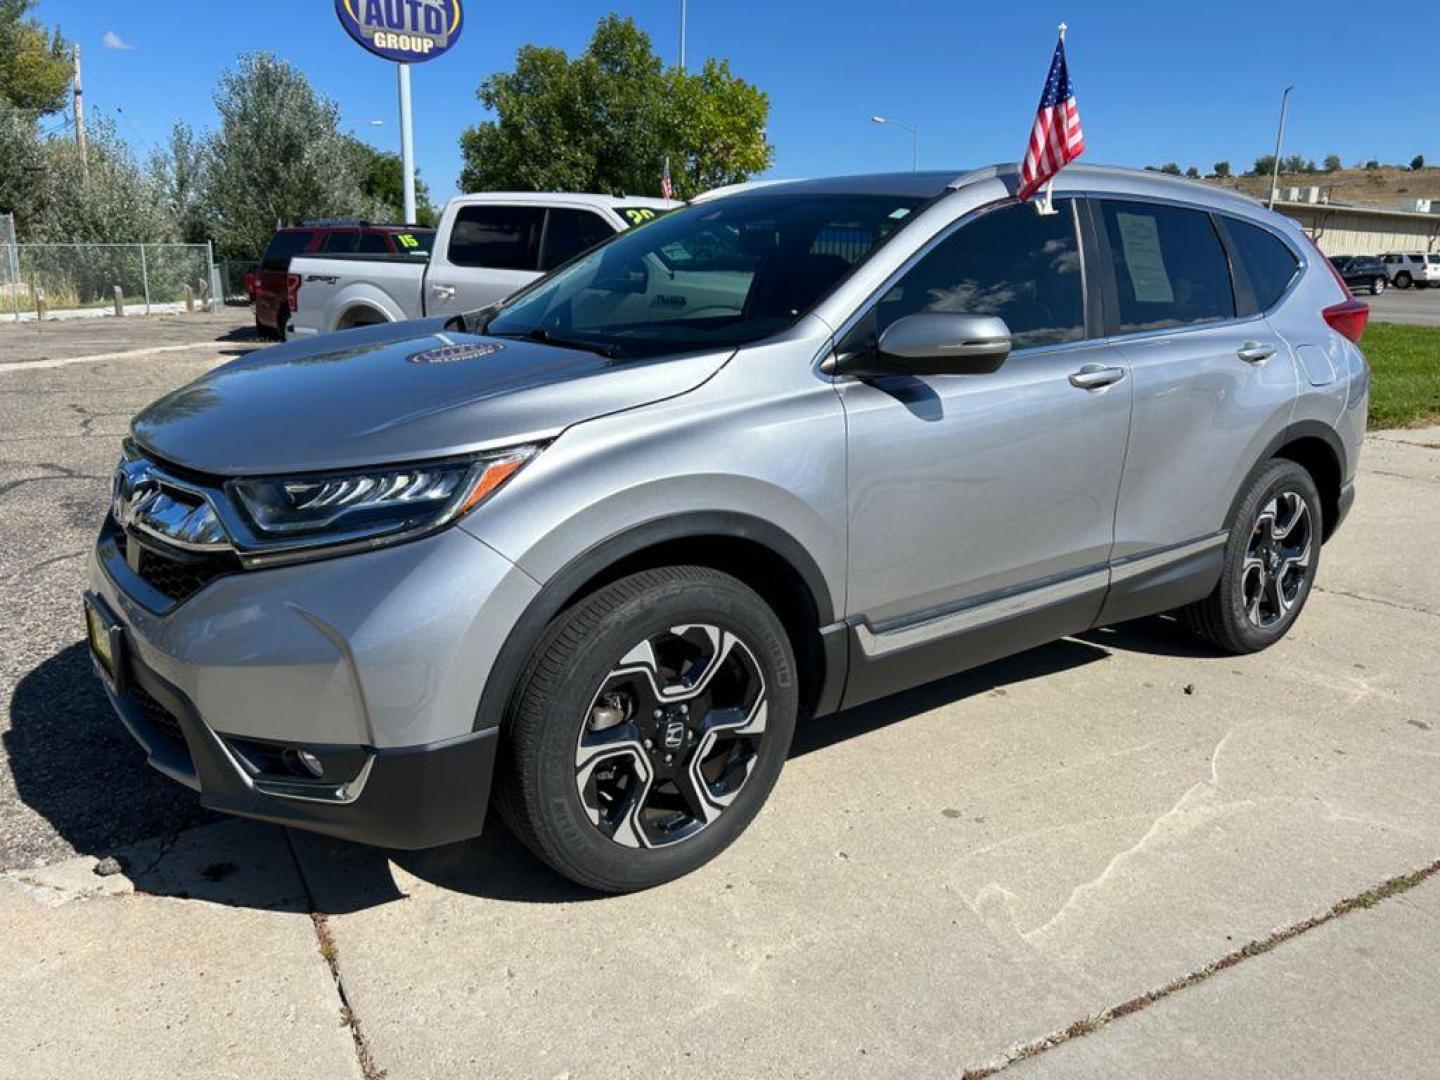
(75, 278)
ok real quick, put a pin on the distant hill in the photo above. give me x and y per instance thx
(1379, 187)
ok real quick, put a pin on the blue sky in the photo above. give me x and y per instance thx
(1156, 81)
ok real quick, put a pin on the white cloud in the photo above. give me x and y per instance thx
(112, 40)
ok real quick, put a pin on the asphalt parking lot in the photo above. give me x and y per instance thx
(1118, 855)
(1417, 307)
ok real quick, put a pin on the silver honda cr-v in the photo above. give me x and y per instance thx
(776, 454)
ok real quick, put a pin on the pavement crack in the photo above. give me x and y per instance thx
(1378, 600)
(1391, 887)
(330, 953)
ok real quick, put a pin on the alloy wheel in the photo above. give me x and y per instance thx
(1277, 559)
(671, 736)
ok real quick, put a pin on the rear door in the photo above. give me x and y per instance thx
(1213, 380)
(491, 250)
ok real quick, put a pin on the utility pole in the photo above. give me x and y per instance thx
(1279, 139)
(682, 35)
(80, 112)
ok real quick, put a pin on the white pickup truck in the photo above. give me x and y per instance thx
(486, 247)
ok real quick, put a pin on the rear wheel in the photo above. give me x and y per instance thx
(1402, 279)
(652, 724)
(1270, 563)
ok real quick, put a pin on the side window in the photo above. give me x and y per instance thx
(339, 243)
(570, 232)
(283, 247)
(1268, 261)
(372, 243)
(1170, 269)
(1010, 262)
(498, 237)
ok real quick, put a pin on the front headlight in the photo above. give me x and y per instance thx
(371, 506)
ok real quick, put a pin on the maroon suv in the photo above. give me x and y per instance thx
(273, 287)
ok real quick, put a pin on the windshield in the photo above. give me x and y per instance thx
(713, 275)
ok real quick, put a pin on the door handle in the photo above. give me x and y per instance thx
(1096, 376)
(443, 292)
(1255, 352)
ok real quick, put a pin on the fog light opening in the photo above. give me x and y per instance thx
(305, 763)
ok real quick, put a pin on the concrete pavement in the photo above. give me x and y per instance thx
(939, 881)
(1418, 307)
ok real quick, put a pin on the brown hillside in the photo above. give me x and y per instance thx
(1382, 187)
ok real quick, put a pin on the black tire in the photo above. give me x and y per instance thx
(282, 317)
(1403, 280)
(1224, 618)
(539, 779)
(1377, 286)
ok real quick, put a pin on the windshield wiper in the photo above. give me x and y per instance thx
(540, 334)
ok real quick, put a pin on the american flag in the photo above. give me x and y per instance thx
(1056, 138)
(667, 189)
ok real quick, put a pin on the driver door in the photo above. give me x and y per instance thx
(982, 505)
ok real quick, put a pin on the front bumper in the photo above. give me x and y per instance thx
(375, 660)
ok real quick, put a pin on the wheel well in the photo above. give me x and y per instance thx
(360, 315)
(770, 574)
(1316, 457)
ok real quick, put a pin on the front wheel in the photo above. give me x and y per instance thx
(1270, 562)
(651, 725)
(1377, 286)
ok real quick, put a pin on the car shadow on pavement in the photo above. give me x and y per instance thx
(74, 764)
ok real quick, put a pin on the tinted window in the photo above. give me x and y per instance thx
(283, 247)
(340, 243)
(569, 232)
(371, 243)
(1170, 269)
(712, 275)
(500, 237)
(1013, 263)
(1269, 263)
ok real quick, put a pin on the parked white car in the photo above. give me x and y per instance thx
(487, 246)
(1412, 268)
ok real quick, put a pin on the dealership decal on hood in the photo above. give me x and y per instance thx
(450, 354)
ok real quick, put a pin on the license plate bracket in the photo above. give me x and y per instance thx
(106, 636)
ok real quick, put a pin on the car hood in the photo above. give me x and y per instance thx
(395, 393)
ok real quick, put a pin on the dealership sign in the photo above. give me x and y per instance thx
(408, 31)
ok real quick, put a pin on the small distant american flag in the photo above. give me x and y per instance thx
(1056, 140)
(667, 189)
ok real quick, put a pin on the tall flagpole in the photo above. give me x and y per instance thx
(682, 35)
(407, 142)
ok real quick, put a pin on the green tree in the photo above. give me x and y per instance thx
(1193, 173)
(1417, 162)
(382, 179)
(607, 120)
(278, 157)
(180, 171)
(1293, 164)
(1332, 163)
(1222, 169)
(34, 62)
(1372, 165)
(1264, 165)
(1170, 168)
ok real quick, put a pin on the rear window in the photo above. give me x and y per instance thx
(1267, 261)
(1170, 270)
(372, 243)
(284, 246)
(497, 237)
(339, 243)
(1435, 258)
(415, 242)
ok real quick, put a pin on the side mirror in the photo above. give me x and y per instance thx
(930, 343)
(943, 343)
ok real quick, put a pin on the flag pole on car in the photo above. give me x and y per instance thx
(1056, 138)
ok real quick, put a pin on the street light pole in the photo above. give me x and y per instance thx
(914, 139)
(1279, 140)
(682, 35)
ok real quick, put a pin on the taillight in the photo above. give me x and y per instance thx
(292, 292)
(250, 284)
(1349, 317)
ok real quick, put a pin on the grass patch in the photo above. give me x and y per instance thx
(1405, 361)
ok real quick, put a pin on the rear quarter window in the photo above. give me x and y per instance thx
(1266, 260)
